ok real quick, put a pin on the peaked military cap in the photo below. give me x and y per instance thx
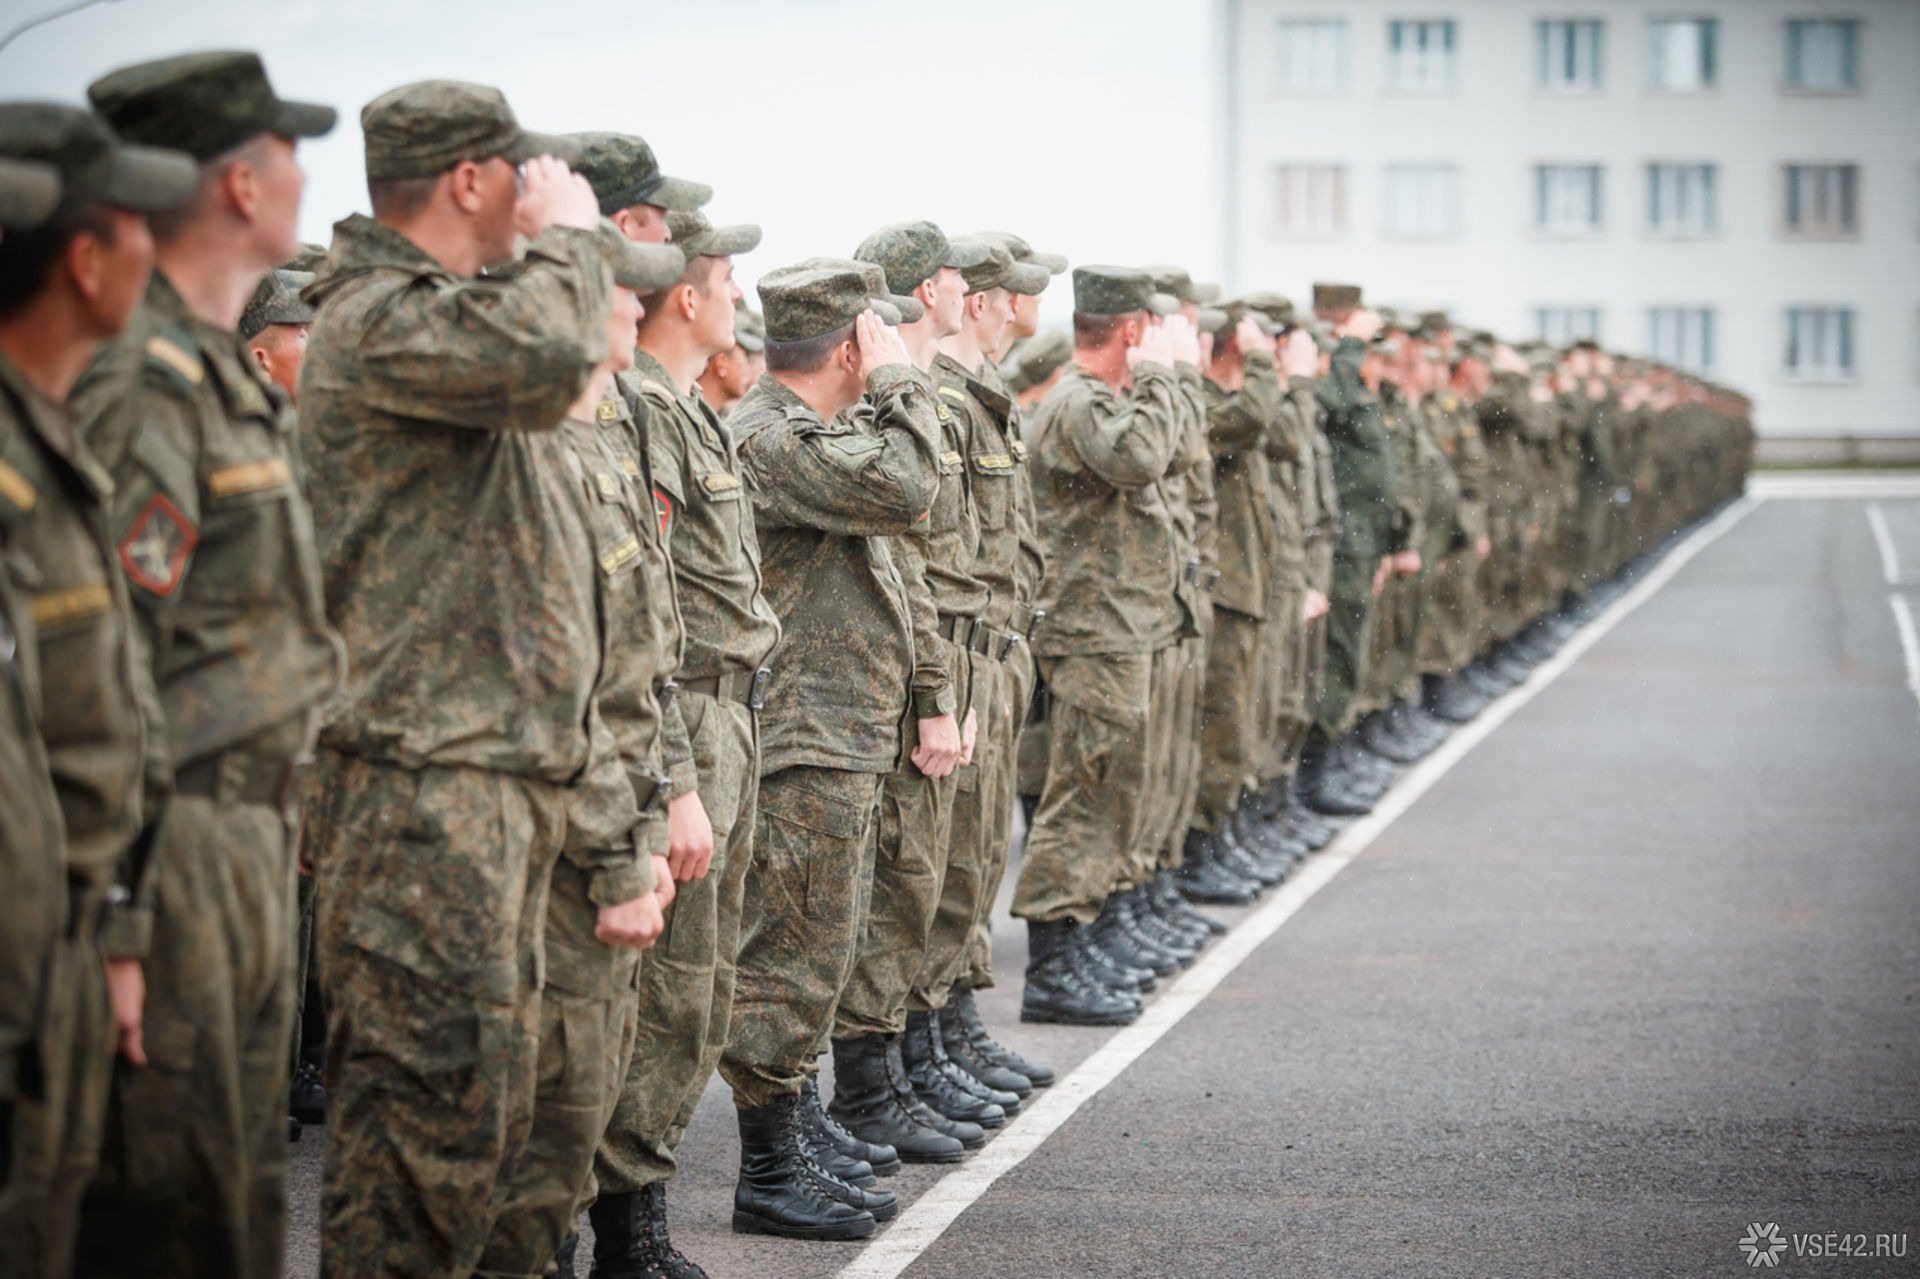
(277, 300)
(820, 295)
(624, 172)
(92, 165)
(999, 270)
(696, 237)
(1336, 297)
(1206, 294)
(1273, 306)
(1172, 280)
(1055, 263)
(423, 129)
(749, 330)
(643, 268)
(1033, 360)
(29, 193)
(1215, 320)
(203, 104)
(1435, 322)
(1116, 290)
(913, 252)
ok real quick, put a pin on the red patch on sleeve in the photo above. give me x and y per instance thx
(665, 506)
(156, 545)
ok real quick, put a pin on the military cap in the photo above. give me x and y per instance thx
(644, 268)
(1215, 320)
(1117, 290)
(1435, 322)
(1172, 280)
(202, 103)
(1276, 308)
(311, 257)
(1391, 318)
(91, 164)
(1336, 297)
(29, 193)
(820, 295)
(1033, 360)
(696, 237)
(894, 308)
(423, 129)
(1386, 346)
(913, 252)
(749, 330)
(1055, 263)
(277, 300)
(1206, 294)
(623, 173)
(1323, 335)
(998, 270)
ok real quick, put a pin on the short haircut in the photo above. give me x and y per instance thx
(808, 355)
(27, 258)
(699, 276)
(167, 224)
(401, 199)
(1091, 330)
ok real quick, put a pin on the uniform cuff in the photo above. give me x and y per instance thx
(126, 932)
(685, 777)
(650, 839)
(932, 704)
(614, 885)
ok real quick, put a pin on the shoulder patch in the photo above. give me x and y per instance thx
(626, 552)
(155, 547)
(608, 411)
(949, 461)
(608, 484)
(664, 505)
(18, 489)
(631, 465)
(1018, 448)
(993, 461)
(652, 387)
(720, 482)
(168, 354)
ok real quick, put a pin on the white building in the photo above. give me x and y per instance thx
(1732, 185)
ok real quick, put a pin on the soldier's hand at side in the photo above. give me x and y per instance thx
(1154, 345)
(969, 734)
(127, 993)
(1184, 339)
(1380, 574)
(1316, 607)
(633, 925)
(879, 343)
(939, 748)
(689, 838)
(554, 195)
(1482, 548)
(1406, 563)
(663, 890)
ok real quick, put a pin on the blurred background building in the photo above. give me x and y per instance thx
(1729, 185)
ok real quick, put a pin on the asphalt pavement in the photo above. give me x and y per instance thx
(1639, 973)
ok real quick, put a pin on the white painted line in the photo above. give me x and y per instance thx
(928, 1217)
(1827, 485)
(1889, 557)
(1909, 641)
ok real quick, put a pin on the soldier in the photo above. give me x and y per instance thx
(632, 191)
(457, 565)
(274, 327)
(74, 261)
(730, 373)
(1460, 585)
(1110, 606)
(212, 528)
(1034, 364)
(830, 488)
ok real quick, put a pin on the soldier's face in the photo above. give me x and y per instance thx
(279, 349)
(112, 277)
(945, 296)
(713, 318)
(281, 181)
(1026, 315)
(623, 328)
(996, 313)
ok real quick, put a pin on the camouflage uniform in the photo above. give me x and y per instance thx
(1301, 460)
(1453, 606)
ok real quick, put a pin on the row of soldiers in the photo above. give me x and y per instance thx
(584, 613)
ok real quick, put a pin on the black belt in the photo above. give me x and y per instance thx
(970, 633)
(748, 687)
(263, 779)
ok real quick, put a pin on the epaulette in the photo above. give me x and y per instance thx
(650, 387)
(172, 352)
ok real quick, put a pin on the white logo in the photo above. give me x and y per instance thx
(1762, 1245)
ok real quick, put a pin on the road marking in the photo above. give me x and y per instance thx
(1889, 557)
(1824, 486)
(928, 1217)
(1909, 642)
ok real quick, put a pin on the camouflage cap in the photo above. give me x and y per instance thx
(998, 270)
(913, 252)
(1206, 294)
(696, 237)
(1054, 263)
(29, 193)
(203, 104)
(1033, 360)
(644, 268)
(277, 300)
(818, 296)
(91, 164)
(1433, 323)
(1117, 290)
(423, 129)
(749, 330)
(1275, 307)
(894, 308)
(1214, 320)
(311, 257)
(624, 172)
(1172, 280)
(1391, 318)
(1323, 335)
(1336, 297)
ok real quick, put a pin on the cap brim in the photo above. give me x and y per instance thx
(1055, 263)
(725, 241)
(148, 179)
(887, 311)
(911, 310)
(1213, 320)
(645, 268)
(1163, 304)
(529, 146)
(305, 120)
(1205, 293)
(1027, 278)
(29, 193)
(965, 254)
(677, 195)
(751, 343)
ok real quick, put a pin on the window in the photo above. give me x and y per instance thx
(1421, 199)
(1681, 200)
(1681, 336)
(1822, 199)
(1567, 198)
(1570, 56)
(1420, 56)
(1820, 342)
(1313, 55)
(1680, 54)
(1823, 55)
(1563, 324)
(1310, 200)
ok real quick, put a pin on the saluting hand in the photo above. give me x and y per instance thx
(554, 195)
(1300, 354)
(1154, 345)
(1249, 336)
(879, 343)
(1183, 338)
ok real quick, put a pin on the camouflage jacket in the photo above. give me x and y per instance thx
(1006, 557)
(1371, 523)
(1238, 423)
(1457, 432)
(1187, 492)
(33, 917)
(827, 497)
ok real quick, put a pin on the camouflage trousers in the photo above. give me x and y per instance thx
(1285, 652)
(53, 1118)
(800, 924)
(588, 1015)
(1166, 846)
(911, 846)
(192, 1173)
(973, 871)
(1449, 639)
(1093, 810)
(1018, 677)
(430, 937)
(1233, 709)
(1349, 634)
(687, 978)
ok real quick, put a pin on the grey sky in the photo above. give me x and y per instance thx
(819, 119)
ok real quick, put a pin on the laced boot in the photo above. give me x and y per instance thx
(1109, 934)
(1422, 734)
(932, 1085)
(964, 1053)
(1200, 878)
(1311, 829)
(868, 1106)
(959, 1076)
(882, 1158)
(961, 1007)
(971, 1136)
(818, 1150)
(1240, 860)
(1102, 969)
(1371, 774)
(1323, 785)
(1380, 734)
(826, 1154)
(1484, 680)
(630, 1239)
(1165, 901)
(1057, 988)
(1273, 848)
(1155, 931)
(1428, 728)
(780, 1191)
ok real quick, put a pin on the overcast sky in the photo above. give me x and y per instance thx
(1083, 125)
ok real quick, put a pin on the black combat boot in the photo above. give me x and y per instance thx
(970, 1135)
(960, 1007)
(932, 1084)
(630, 1238)
(1324, 785)
(1110, 933)
(817, 1150)
(959, 1075)
(1380, 734)
(866, 1104)
(964, 1053)
(1147, 923)
(1201, 878)
(1308, 826)
(1057, 990)
(1101, 969)
(818, 1142)
(1483, 678)
(307, 1095)
(877, 1155)
(1165, 902)
(1370, 774)
(780, 1192)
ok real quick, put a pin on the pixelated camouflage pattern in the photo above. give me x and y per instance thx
(202, 103)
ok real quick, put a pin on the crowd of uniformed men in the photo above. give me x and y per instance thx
(642, 687)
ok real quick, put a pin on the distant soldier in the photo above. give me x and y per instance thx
(274, 327)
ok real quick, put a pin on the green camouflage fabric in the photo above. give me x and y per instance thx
(823, 294)
(202, 103)
(1033, 360)
(89, 165)
(423, 129)
(1111, 290)
(974, 865)
(29, 193)
(1453, 604)
(276, 301)
(805, 908)
(1232, 714)
(1180, 672)
(912, 252)
(624, 173)
(826, 496)
(1295, 656)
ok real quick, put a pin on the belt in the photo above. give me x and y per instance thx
(749, 687)
(1027, 628)
(261, 779)
(970, 633)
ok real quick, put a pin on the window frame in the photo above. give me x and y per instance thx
(1540, 311)
(1395, 168)
(1850, 333)
(1709, 330)
(1343, 200)
(1787, 84)
(1783, 193)
(1656, 231)
(1344, 76)
(1542, 58)
(1541, 230)
(1712, 82)
(1391, 80)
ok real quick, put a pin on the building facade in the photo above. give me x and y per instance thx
(1730, 185)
